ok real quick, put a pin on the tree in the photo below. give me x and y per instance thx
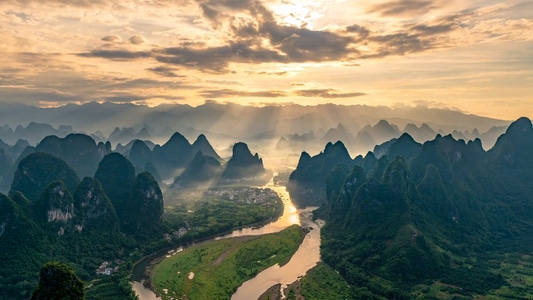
(58, 281)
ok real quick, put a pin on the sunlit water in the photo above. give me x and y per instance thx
(307, 255)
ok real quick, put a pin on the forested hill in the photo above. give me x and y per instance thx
(416, 214)
(50, 215)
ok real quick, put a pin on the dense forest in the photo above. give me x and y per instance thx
(102, 222)
(444, 211)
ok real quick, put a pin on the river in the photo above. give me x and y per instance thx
(306, 257)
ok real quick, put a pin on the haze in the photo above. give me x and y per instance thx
(475, 56)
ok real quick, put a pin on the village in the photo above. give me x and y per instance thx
(247, 195)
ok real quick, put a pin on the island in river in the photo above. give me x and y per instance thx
(221, 266)
(307, 255)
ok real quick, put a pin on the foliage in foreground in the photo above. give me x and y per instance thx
(58, 282)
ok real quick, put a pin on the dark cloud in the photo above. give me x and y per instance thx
(226, 93)
(210, 13)
(282, 73)
(145, 83)
(304, 45)
(137, 39)
(164, 71)
(112, 39)
(326, 93)
(399, 44)
(402, 7)
(216, 59)
(360, 30)
(261, 39)
(127, 98)
(117, 54)
(433, 29)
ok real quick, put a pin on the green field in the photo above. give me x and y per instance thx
(220, 267)
(210, 214)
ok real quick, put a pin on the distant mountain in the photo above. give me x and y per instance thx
(5, 162)
(202, 171)
(145, 207)
(404, 146)
(174, 154)
(415, 215)
(340, 133)
(33, 132)
(296, 141)
(125, 149)
(140, 154)
(420, 134)
(243, 166)
(37, 170)
(79, 150)
(237, 121)
(17, 149)
(116, 174)
(122, 135)
(177, 153)
(307, 183)
(202, 144)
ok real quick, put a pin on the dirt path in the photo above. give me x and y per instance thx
(223, 256)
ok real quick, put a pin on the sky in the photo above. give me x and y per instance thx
(475, 56)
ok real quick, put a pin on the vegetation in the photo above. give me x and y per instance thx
(218, 209)
(58, 282)
(116, 174)
(320, 282)
(437, 219)
(116, 287)
(308, 182)
(37, 170)
(215, 270)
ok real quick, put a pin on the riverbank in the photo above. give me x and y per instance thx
(305, 258)
(219, 267)
(140, 280)
(140, 271)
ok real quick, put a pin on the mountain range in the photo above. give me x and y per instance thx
(415, 213)
(230, 120)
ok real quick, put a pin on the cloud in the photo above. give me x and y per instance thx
(326, 93)
(112, 39)
(164, 71)
(433, 29)
(226, 93)
(137, 39)
(247, 32)
(78, 3)
(281, 73)
(216, 59)
(402, 8)
(117, 54)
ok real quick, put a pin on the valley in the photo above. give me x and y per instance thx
(440, 219)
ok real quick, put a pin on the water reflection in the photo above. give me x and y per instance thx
(289, 217)
(307, 255)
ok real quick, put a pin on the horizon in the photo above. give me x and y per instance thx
(472, 56)
(264, 105)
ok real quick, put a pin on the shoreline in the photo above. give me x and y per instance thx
(150, 260)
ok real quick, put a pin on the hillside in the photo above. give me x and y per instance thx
(437, 212)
